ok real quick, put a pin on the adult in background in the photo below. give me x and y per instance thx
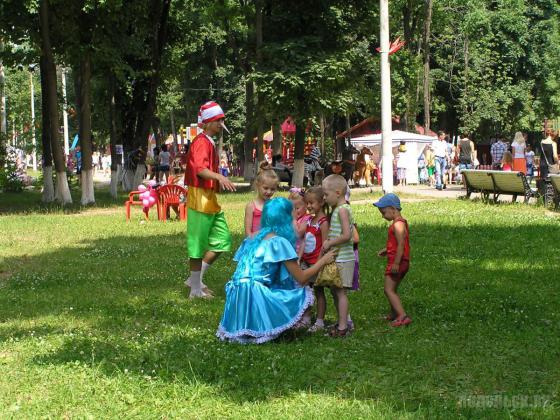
(439, 148)
(518, 148)
(164, 162)
(207, 231)
(497, 151)
(549, 156)
(467, 154)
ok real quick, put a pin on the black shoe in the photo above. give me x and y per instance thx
(444, 186)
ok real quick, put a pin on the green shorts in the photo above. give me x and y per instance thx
(431, 170)
(206, 232)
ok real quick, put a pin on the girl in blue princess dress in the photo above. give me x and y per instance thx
(264, 297)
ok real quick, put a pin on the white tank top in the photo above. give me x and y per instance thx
(518, 151)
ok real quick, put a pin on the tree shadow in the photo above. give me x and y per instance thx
(118, 310)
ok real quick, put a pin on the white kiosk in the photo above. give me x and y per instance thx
(415, 144)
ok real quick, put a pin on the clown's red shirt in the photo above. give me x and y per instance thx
(201, 194)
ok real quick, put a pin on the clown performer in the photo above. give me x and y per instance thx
(207, 231)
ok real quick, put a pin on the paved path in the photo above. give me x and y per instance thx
(452, 191)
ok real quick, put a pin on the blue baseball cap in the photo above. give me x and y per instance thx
(388, 200)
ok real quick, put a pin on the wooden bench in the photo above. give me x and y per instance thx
(555, 184)
(478, 181)
(498, 183)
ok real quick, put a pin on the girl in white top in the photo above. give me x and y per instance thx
(518, 148)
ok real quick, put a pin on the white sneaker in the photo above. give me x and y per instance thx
(199, 294)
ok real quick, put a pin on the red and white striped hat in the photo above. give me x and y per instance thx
(209, 112)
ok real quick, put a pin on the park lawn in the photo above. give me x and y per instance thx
(95, 322)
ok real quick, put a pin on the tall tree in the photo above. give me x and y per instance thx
(48, 186)
(62, 190)
(426, 59)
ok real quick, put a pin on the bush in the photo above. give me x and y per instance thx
(11, 177)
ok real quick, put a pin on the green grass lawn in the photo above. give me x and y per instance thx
(95, 321)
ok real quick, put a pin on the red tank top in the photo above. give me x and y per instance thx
(392, 240)
(256, 223)
(313, 241)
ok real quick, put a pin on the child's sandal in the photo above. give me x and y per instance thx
(336, 333)
(401, 322)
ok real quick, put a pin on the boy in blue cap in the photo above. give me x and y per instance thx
(398, 256)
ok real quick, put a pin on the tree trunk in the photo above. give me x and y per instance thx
(115, 162)
(322, 125)
(260, 99)
(299, 167)
(160, 13)
(174, 132)
(276, 137)
(84, 110)
(465, 76)
(248, 166)
(48, 185)
(426, 44)
(62, 191)
(3, 123)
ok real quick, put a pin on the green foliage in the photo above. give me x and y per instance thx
(10, 176)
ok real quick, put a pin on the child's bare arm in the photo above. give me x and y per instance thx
(346, 234)
(324, 231)
(355, 235)
(248, 218)
(303, 276)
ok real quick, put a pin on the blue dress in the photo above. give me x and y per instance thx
(263, 300)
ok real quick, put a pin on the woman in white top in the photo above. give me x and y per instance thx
(518, 148)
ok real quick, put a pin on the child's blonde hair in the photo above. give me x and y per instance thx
(266, 173)
(336, 182)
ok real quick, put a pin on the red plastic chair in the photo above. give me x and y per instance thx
(132, 202)
(170, 196)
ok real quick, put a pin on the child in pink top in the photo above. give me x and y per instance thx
(266, 185)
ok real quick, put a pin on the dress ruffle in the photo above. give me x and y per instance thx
(247, 336)
(262, 298)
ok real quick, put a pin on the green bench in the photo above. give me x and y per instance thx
(498, 183)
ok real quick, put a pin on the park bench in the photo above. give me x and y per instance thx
(555, 184)
(478, 181)
(498, 183)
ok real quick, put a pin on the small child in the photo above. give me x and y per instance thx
(317, 230)
(398, 256)
(340, 237)
(507, 162)
(266, 184)
(300, 216)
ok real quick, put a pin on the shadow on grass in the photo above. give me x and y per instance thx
(29, 202)
(118, 309)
